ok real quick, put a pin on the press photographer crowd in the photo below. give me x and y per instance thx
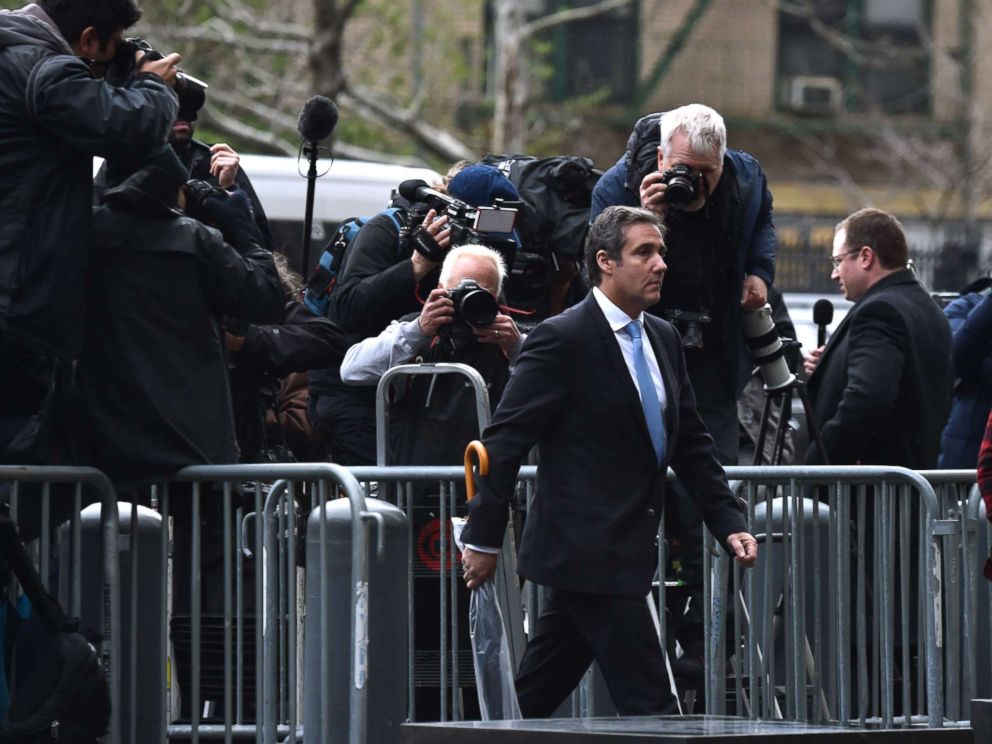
(623, 323)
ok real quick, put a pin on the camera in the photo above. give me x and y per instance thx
(767, 348)
(489, 226)
(683, 185)
(123, 68)
(690, 325)
(474, 305)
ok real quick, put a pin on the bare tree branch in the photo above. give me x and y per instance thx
(258, 137)
(570, 15)
(437, 140)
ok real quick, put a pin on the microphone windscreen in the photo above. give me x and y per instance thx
(410, 190)
(823, 312)
(317, 119)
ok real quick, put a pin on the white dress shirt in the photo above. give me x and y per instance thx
(618, 321)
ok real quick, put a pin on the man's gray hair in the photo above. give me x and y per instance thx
(608, 233)
(475, 251)
(702, 126)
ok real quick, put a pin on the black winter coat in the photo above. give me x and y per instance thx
(881, 391)
(153, 372)
(55, 117)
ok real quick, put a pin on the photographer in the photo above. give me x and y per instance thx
(57, 116)
(216, 164)
(385, 278)
(153, 371)
(436, 413)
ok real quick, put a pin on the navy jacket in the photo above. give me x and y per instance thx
(753, 235)
(970, 317)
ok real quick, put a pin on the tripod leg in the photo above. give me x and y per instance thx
(784, 413)
(759, 444)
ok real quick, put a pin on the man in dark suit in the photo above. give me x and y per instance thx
(602, 389)
(881, 388)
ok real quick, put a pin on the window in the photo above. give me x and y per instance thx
(874, 51)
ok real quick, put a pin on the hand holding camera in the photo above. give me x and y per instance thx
(439, 310)
(431, 241)
(678, 187)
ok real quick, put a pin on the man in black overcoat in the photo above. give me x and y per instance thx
(609, 414)
(881, 388)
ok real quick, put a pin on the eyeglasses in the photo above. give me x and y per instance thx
(836, 260)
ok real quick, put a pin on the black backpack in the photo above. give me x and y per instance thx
(557, 192)
(64, 697)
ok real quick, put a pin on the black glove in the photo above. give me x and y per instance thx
(425, 244)
(230, 212)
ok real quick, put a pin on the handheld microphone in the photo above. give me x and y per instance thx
(823, 315)
(317, 119)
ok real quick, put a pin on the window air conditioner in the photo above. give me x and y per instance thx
(807, 94)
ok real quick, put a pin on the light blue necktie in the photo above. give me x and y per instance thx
(649, 395)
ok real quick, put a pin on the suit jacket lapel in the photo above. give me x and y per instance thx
(667, 378)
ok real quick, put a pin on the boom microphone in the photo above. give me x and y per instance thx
(823, 315)
(416, 190)
(317, 119)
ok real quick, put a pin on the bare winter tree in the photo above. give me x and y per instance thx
(513, 87)
(263, 68)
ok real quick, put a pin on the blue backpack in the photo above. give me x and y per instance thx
(321, 283)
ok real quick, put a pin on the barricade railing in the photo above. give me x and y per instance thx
(968, 596)
(839, 547)
(33, 513)
(432, 550)
(278, 680)
(798, 634)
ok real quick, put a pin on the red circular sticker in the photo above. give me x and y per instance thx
(429, 546)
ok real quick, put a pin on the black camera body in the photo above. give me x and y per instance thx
(690, 325)
(684, 185)
(474, 305)
(123, 68)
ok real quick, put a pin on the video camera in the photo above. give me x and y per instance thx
(123, 68)
(489, 226)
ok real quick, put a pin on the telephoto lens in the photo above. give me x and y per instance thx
(767, 348)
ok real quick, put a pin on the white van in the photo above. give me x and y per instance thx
(350, 188)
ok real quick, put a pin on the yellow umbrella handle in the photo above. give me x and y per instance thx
(478, 449)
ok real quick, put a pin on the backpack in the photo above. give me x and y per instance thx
(325, 274)
(64, 697)
(641, 156)
(557, 192)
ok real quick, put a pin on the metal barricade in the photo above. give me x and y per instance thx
(507, 586)
(109, 590)
(884, 583)
(965, 532)
(396, 485)
(272, 543)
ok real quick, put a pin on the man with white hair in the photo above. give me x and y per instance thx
(720, 238)
(413, 338)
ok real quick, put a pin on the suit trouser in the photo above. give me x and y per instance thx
(576, 628)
